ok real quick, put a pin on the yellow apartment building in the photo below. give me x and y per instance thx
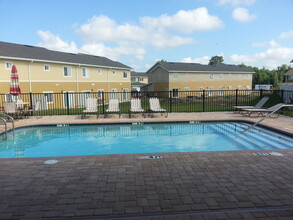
(45, 71)
(179, 76)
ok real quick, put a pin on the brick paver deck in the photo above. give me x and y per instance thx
(193, 185)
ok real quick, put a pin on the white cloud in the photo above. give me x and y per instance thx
(270, 58)
(243, 15)
(201, 60)
(236, 2)
(271, 43)
(188, 21)
(54, 42)
(287, 34)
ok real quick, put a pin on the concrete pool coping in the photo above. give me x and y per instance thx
(192, 185)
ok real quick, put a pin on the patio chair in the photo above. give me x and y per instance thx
(10, 108)
(258, 105)
(135, 106)
(256, 112)
(113, 107)
(91, 107)
(155, 107)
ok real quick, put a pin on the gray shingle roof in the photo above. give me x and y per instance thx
(196, 67)
(289, 72)
(42, 54)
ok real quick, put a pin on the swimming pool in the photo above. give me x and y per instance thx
(76, 140)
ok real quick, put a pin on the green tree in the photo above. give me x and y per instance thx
(216, 60)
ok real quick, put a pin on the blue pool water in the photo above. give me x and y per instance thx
(44, 141)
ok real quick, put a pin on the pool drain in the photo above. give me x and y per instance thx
(50, 162)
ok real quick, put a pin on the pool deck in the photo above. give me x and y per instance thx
(191, 185)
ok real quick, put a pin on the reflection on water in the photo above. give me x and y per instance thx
(109, 139)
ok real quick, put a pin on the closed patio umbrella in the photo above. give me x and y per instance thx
(14, 83)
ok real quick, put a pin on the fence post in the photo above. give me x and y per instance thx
(236, 97)
(31, 100)
(282, 95)
(103, 102)
(260, 93)
(203, 100)
(170, 102)
(67, 100)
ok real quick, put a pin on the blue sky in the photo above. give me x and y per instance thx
(140, 32)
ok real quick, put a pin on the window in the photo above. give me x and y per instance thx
(239, 87)
(85, 72)
(67, 71)
(113, 94)
(186, 90)
(100, 93)
(8, 65)
(211, 91)
(125, 74)
(247, 89)
(175, 93)
(99, 71)
(175, 76)
(211, 76)
(125, 94)
(229, 87)
(221, 92)
(201, 89)
(46, 67)
(113, 72)
(49, 96)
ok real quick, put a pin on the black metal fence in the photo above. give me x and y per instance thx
(173, 101)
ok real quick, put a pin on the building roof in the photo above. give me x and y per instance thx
(196, 67)
(27, 52)
(133, 73)
(289, 72)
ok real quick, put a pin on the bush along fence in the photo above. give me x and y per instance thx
(173, 101)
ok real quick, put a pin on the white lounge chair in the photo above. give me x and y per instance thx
(10, 108)
(91, 107)
(255, 112)
(113, 107)
(155, 107)
(258, 105)
(135, 106)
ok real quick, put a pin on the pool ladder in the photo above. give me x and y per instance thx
(10, 119)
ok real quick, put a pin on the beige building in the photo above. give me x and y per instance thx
(45, 71)
(138, 80)
(176, 76)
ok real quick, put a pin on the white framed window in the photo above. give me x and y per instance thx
(67, 71)
(221, 91)
(211, 91)
(8, 65)
(239, 87)
(114, 94)
(229, 87)
(125, 74)
(211, 76)
(85, 72)
(125, 94)
(99, 71)
(100, 92)
(201, 89)
(247, 89)
(175, 75)
(50, 96)
(47, 67)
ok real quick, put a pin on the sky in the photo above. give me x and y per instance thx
(138, 33)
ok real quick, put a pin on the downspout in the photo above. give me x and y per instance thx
(29, 76)
(77, 67)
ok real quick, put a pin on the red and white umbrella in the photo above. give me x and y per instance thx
(14, 83)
